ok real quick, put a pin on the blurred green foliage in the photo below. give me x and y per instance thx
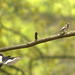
(20, 19)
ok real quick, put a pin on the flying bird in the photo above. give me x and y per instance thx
(8, 60)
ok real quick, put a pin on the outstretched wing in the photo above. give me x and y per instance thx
(5, 58)
(12, 61)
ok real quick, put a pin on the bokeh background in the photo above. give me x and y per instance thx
(20, 19)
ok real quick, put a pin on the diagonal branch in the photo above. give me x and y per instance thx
(33, 43)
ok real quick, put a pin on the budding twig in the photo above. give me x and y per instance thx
(36, 37)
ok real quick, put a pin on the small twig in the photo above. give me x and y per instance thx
(33, 43)
(36, 37)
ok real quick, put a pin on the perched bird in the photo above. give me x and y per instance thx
(8, 60)
(65, 28)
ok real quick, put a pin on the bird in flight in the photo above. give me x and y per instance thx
(8, 60)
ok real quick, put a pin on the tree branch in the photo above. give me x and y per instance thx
(33, 43)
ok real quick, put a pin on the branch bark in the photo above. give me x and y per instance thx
(33, 43)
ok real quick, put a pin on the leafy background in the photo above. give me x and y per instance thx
(20, 19)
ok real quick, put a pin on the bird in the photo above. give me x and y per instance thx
(65, 28)
(8, 60)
